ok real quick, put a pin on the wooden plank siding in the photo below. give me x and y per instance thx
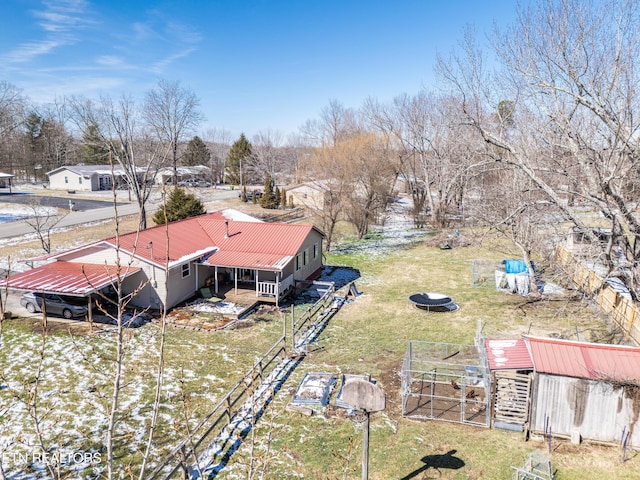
(596, 410)
(511, 397)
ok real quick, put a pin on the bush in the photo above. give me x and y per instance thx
(180, 205)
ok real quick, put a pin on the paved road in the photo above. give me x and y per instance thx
(98, 207)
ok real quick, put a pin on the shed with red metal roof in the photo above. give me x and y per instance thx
(585, 390)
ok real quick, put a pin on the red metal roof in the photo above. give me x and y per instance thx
(259, 245)
(508, 354)
(584, 360)
(67, 278)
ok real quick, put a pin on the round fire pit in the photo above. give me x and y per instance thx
(433, 302)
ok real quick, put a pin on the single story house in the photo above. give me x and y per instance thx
(195, 173)
(313, 195)
(163, 266)
(5, 180)
(89, 178)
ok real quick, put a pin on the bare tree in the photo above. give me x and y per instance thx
(172, 112)
(12, 108)
(116, 126)
(572, 67)
(372, 171)
(218, 142)
(43, 221)
(267, 154)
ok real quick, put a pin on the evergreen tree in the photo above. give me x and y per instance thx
(277, 199)
(244, 194)
(268, 199)
(180, 205)
(93, 151)
(283, 199)
(196, 153)
(237, 158)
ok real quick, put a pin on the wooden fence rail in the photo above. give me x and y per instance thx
(219, 416)
(187, 451)
(622, 311)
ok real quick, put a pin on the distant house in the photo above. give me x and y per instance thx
(195, 174)
(208, 250)
(88, 177)
(308, 195)
(5, 180)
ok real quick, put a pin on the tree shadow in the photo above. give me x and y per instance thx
(437, 462)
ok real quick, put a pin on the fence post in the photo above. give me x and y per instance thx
(293, 328)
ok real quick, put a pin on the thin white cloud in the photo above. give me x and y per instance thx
(59, 20)
(161, 65)
(27, 51)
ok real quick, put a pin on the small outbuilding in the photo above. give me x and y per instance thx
(585, 391)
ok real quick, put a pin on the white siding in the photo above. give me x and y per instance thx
(73, 181)
(153, 293)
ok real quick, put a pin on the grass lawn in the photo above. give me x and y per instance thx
(371, 334)
(368, 335)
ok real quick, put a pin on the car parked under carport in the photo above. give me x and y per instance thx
(67, 307)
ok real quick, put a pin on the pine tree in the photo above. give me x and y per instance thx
(277, 199)
(180, 205)
(268, 197)
(283, 199)
(244, 194)
(93, 150)
(239, 153)
(196, 153)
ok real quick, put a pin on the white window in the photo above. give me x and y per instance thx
(315, 251)
(66, 179)
(186, 270)
(298, 262)
(305, 257)
(80, 180)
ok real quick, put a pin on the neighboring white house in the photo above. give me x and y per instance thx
(88, 177)
(208, 250)
(196, 173)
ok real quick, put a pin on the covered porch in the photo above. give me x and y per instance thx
(248, 282)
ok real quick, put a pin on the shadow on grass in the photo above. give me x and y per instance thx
(437, 462)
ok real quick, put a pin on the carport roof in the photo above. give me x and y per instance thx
(67, 278)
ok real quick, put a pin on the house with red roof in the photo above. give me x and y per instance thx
(165, 265)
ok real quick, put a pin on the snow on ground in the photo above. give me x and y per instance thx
(12, 211)
(74, 396)
(398, 231)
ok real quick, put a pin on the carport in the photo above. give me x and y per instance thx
(68, 278)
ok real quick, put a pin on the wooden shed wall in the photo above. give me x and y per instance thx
(597, 410)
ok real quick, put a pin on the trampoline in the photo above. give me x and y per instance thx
(433, 302)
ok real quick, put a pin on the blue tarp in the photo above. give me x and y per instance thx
(515, 266)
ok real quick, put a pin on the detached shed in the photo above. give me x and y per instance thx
(511, 369)
(585, 391)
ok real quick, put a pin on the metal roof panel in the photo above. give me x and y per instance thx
(584, 360)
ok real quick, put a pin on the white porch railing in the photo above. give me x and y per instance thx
(272, 288)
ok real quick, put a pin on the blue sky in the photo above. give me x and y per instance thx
(256, 65)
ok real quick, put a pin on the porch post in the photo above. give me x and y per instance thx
(257, 290)
(235, 278)
(215, 276)
(278, 277)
